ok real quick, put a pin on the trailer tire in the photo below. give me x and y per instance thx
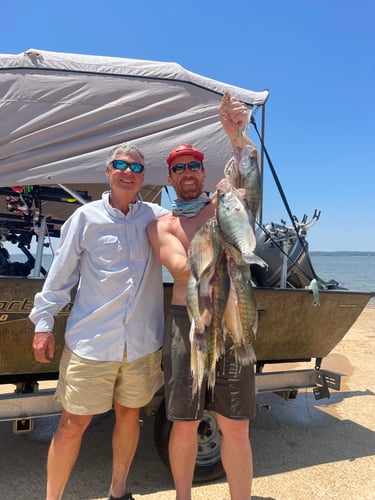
(208, 466)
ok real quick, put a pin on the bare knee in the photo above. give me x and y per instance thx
(73, 426)
(126, 414)
(234, 430)
(185, 430)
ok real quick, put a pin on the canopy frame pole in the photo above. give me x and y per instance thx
(260, 213)
(41, 232)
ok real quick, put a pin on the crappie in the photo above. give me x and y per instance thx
(198, 356)
(203, 252)
(241, 317)
(198, 321)
(249, 176)
(215, 331)
(232, 173)
(220, 295)
(206, 348)
(234, 224)
(203, 249)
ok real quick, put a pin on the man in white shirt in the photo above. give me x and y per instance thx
(114, 331)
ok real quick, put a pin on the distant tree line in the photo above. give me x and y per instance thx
(343, 252)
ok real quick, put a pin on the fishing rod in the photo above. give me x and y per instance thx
(277, 181)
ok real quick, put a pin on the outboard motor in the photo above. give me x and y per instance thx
(287, 257)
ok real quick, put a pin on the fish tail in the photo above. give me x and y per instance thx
(198, 359)
(211, 379)
(220, 344)
(200, 373)
(200, 342)
(193, 361)
(244, 354)
(254, 327)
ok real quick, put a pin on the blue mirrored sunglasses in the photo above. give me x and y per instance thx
(137, 168)
(180, 168)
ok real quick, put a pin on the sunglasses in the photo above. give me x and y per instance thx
(137, 168)
(193, 166)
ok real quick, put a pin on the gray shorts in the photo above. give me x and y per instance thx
(88, 387)
(234, 392)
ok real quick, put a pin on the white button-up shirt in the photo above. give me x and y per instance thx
(119, 299)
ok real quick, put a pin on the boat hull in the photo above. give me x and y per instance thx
(290, 326)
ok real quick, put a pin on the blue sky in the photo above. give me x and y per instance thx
(315, 56)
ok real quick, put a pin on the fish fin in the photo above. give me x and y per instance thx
(200, 364)
(220, 347)
(205, 304)
(255, 325)
(241, 193)
(201, 369)
(200, 342)
(193, 361)
(187, 266)
(244, 354)
(252, 258)
(211, 379)
(198, 359)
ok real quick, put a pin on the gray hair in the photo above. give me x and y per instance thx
(125, 148)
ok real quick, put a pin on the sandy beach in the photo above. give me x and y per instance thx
(303, 449)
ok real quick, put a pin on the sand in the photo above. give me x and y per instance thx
(303, 449)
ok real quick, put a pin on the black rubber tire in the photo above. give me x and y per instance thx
(208, 465)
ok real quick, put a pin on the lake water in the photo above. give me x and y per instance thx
(355, 272)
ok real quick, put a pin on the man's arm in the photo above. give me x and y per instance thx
(62, 276)
(168, 248)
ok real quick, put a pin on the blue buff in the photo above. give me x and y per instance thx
(189, 208)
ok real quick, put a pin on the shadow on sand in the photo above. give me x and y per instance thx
(300, 433)
(286, 436)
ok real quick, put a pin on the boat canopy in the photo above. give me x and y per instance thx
(60, 114)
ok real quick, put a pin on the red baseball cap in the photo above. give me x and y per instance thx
(184, 149)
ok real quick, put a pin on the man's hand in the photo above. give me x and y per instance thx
(234, 117)
(44, 346)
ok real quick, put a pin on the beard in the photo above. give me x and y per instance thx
(189, 192)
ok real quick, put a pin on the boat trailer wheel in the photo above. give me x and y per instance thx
(208, 465)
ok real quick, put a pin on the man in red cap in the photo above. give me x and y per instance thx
(234, 396)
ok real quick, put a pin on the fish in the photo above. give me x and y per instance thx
(215, 330)
(243, 173)
(232, 173)
(220, 294)
(233, 220)
(198, 320)
(250, 179)
(314, 286)
(205, 353)
(203, 252)
(241, 317)
(198, 356)
(237, 231)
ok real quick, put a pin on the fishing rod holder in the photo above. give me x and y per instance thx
(286, 237)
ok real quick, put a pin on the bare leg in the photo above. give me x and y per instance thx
(124, 444)
(236, 456)
(63, 452)
(183, 446)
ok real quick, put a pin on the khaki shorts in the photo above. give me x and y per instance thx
(88, 387)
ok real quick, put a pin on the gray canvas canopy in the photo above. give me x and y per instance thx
(60, 114)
